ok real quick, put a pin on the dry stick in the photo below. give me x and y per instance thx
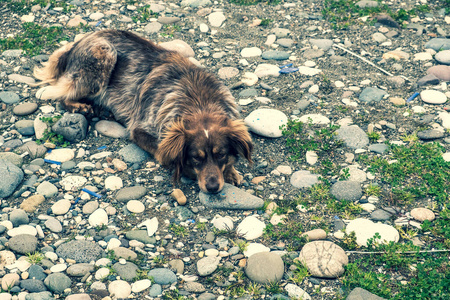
(399, 252)
(368, 61)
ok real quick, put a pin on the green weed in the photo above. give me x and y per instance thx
(178, 230)
(253, 2)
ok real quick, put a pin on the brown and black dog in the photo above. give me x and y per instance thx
(178, 112)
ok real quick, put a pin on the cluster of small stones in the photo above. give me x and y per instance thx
(77, 212)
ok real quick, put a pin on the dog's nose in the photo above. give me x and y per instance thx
(212, 185)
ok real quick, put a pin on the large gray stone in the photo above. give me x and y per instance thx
(324, 259)
(73, 127)
(361, 294)
(80, 251)
(231, 197)
(12, 176)
(352, 136)
(347, 190)
(265, 267)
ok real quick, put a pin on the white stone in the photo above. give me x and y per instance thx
(421, 214)
(203, 27)
(111, 129)
(249, 79)
(254, 248)
(27, 18)
(313, 118)
(445, 118)
(311, 157)
(296, 292)
(96, 16)
(339, 84)
(251, 228)
(73, 182)
(251, 52)
(223, 223)
(216, 19)
(100, 155)
(113, 183)
(51, 255)
(179, 46)
(418, 109)
(135, 206)
(287, 170)
(98, 218)
(151, 225)
(265, 70)
(309, 71)
(58, 268)
(263, 100)
(266, 122)
(271, 38)
(314, 89)
(245, 102)
(22, 229)
(211, 252)
(423, 56)
(39, 127)
(61, 155)
(119, 289)
(140, 285)
(446, 156)
(61, 207)
(86, 165)
(207, 265)
(366, 229)
(369, 207)
(113, 243)
(433, 97)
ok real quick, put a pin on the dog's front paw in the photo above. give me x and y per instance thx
(232, 176)
(82, 108)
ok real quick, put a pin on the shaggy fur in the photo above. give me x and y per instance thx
(173, 109)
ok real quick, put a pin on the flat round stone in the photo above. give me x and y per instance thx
(25, 109)
(433, 97)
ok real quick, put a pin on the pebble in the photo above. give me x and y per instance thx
(443, 57)
(228, 72)
(304, 179)
(168, 20)
(47, 189)
(230, 197)
(253, 248)
(296, 292)
(266, 122)
(151, 225)
(119, 289)
(324, 259)
(179, 196)
(22, 229)
(207, 265)
(358, 293)
(442, 72)
(113, 183)
(9, 97)
(430, 134)
(309, 71)
(346, 190)
(223, 223)
(381, 215)
(275, 55)
(80, 251)
(315, 234)
(249, 79)
(140, 285)
(98, 218)
(423, 214)
(265, 267)
(71, 183)
(25, 109)
(133, 154)
(73, 127)
(266, 70)
(249, 52)
(61, 207)
(352, 136)
(61, 155)
(371, 94)
(31, 203)
(216, 19)
(23, 243)
(438, 44)
(250, 228)
(12, 176)
(153, 27)
(366, 229)
(135, 206)
(53, 225)
(313, 118)
(131, 193)
(433, 97)
(96, 16)
(162, 276)
(13, 158)
(111, 129)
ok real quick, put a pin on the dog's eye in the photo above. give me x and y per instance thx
(196, 160)
(221, 156)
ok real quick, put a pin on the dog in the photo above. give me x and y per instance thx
(178, 112)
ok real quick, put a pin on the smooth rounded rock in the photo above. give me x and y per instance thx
(47, 189)
(207, 265)
(179, 46)
(346, 190)
(60, 155)
(80, 251)
(73, 127)
(250, 228)
(423, 214)
(131, 193)
(23, 243)
(265, 267)
(9, 97)
(25, 109)
(433, 97)
(111, 129)
(251, 52)
(352, 136)
(366, 229)
(98, 218)
(230, 197)
(61, 207)
(119, 289)
(266, 122)
(324, 259)
(304, 179)
(113, 183)
(163, 276)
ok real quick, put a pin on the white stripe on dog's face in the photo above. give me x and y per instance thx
(206, 133)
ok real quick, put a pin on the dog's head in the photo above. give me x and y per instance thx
(204, 147)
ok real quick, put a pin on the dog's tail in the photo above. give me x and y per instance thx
(54, 67)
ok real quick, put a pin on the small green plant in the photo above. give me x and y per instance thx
(242, 245)
(35, 257)
(178, 230)
(273, 287)
(300, 273)
(374, 136)
(266, 22)
(172, 295)
(290, 233)
(373, 190)
(349, 241)
(144, 13)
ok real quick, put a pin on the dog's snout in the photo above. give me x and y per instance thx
(212, 184)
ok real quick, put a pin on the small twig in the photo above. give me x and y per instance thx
(399, 252)
(368, 61)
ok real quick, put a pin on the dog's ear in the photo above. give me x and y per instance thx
(171, 149)
(240, 138)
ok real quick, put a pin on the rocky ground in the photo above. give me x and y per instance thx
(88, 215)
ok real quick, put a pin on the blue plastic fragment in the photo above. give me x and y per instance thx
(101, 148)
(190, 221)
(91, 193)
(336, 217)
(49, 161)
(288, 70)
(98, 23)
(75, 203)
(414, 96)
